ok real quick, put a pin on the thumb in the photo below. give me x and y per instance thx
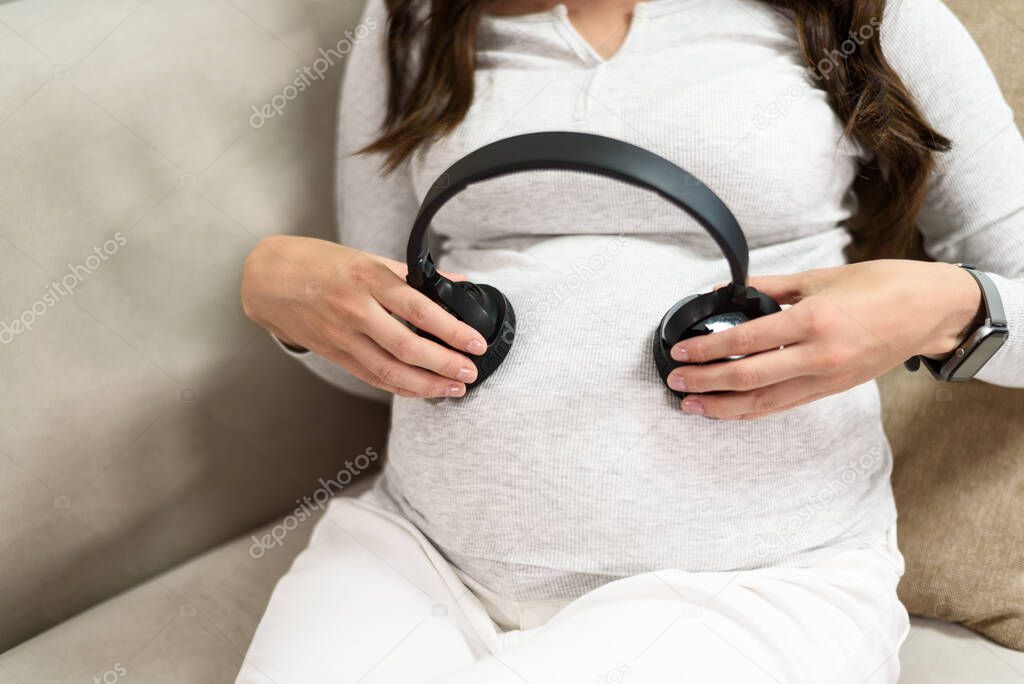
(400, 269)
(784, 289)
(454, 276)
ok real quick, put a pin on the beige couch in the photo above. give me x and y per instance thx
(148, 428)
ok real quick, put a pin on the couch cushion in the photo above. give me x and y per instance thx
(145, 420)
(941, 652)
(958, 478)
(191, 624)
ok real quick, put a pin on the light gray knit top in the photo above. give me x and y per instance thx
(573, 465)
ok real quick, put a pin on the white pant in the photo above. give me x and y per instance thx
(371, 601)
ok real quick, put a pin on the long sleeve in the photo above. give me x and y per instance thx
(974, 212)
(374, 211)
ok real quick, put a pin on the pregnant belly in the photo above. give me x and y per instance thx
(574, 458)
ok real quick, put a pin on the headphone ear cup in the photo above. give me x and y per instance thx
(500, 344)
(478, 306)
(684, 320)
(663, 360)
(485, 309)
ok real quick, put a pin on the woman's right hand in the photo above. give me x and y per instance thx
(338, 302)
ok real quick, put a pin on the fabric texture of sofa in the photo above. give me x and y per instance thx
(150, 432)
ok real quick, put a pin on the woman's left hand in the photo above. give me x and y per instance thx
(846, 326)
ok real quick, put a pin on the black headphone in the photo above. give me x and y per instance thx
(487, 310)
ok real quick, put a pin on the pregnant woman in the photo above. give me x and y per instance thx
(570, 519)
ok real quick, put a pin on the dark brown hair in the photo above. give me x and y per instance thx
(429, 94)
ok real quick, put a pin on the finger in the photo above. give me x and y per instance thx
(416, 308)
(387, 370)
(454, 277)
(350, 364)
(401, 269)
(752, 372)
(791, 289)
(760, 334)
(796, 404)
(408, 347)
(784, 289)
(760, 401)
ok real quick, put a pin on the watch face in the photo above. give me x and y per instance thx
(988, 343)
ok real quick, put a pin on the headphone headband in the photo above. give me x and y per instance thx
(590, 154)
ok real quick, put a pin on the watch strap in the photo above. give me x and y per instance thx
(995, 317)
(994, 311)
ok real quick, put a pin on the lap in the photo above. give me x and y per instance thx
(363, 603)
(371, 601)
(784, 625)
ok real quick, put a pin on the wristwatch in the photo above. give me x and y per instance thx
(980, 345)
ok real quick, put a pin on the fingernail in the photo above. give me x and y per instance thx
(676, 382)
(476, 346)
(693, 406)
(456, 390)
(466, 374)
(680, 354)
